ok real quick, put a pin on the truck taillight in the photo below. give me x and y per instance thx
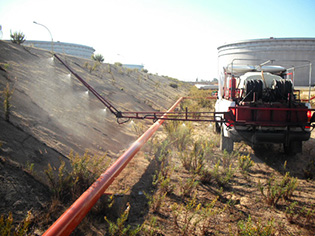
(309, 115)
(233, 111)
(231, 117)
(229, 124)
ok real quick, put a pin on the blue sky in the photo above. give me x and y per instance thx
(178, 38)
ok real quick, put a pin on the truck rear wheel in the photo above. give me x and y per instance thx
(293, 148)
(216, 128)
(226, 143)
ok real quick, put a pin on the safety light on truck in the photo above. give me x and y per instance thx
(232, 110)
(230, 117)
(309, 115)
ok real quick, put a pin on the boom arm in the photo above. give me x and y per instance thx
(123, 117)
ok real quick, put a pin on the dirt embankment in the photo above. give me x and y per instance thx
(57, 109)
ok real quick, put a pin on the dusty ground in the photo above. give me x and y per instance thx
(242, 193)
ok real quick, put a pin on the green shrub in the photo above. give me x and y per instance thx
(296, 214)
(157, 84)
(187, 187)
(291, 212)
(205, 176)
(68, 185)
(150, 227)
(186, 160)
(199, 153)
(193, 218)
(185, 216)
(222, 174)
(93, 67)
(156, 201)
(205, 103)
(248, 227)
(109, 70)
(309, 170)
(30, 167)
(199, 100)
(196, 159)
(7, 228)
(121, 70)
(129, 71)
(6, 224)
(227, 158)
(139, 79)
(275, 190)
(98, 57)
(179, 133)
(7, 95)
(162, 177)
(17, 37)
(245, 163)
(119, 228)
(173, 85)
(4, 66)
(162, 180)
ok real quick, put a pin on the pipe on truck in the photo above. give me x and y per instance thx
(71, 218)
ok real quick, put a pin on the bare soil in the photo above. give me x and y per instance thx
(242, 193)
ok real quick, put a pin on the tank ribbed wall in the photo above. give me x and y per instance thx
(73, 49)
(287, 52)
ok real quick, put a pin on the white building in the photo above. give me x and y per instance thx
(133, 66)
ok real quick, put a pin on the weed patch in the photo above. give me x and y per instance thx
(195, 161)
(7, 95)
(118, 228)
(179, 134)
(275, 190)
(70, 184)
(193, 218)
(245, 163)
(7, 227)
(248, 227)
(298, 214)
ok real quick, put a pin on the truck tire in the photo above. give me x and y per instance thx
(226, 143)
(293, 148)
(216, 128)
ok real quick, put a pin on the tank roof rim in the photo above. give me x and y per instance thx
(271, 39)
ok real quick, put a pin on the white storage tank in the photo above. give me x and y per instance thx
(77, 50)
(286, 52)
